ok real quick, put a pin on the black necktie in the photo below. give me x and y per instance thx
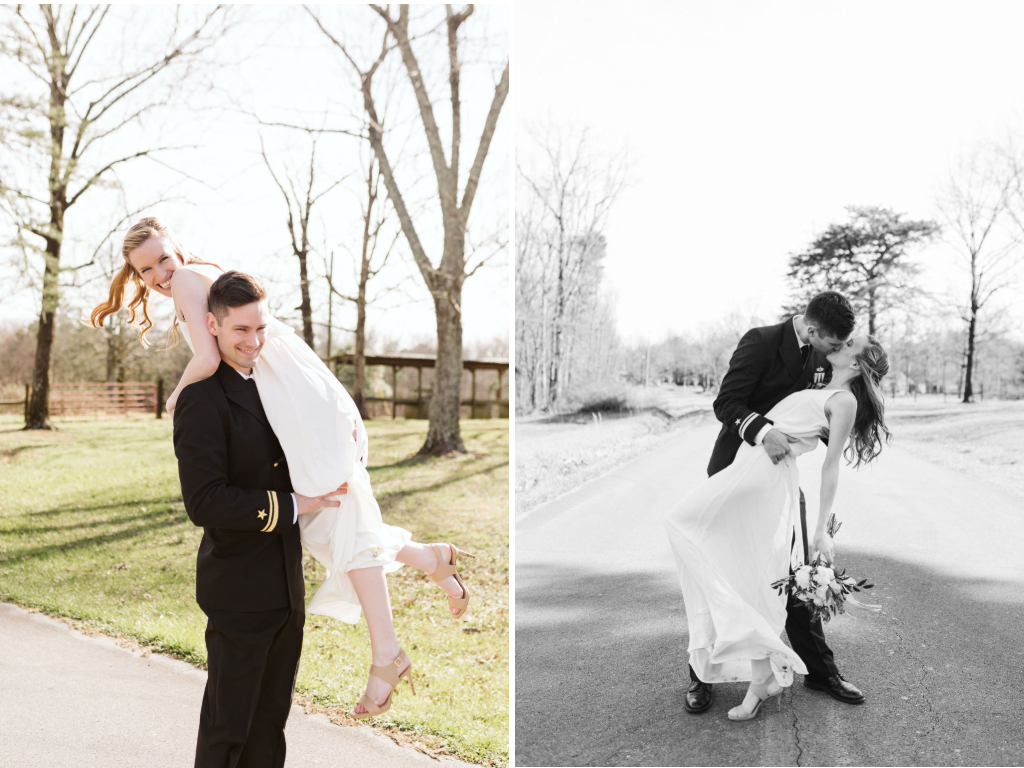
(805, 352)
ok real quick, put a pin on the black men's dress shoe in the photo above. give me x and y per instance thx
(837, 687)
(698, 698)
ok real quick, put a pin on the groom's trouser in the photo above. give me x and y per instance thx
(807, 637)
(253, 662)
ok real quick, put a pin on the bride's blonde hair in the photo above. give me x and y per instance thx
(139, 304)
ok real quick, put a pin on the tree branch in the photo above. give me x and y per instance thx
(500, 92)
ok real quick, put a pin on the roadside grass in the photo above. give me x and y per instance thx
(982, 439)
(92, 528)
(554, 458)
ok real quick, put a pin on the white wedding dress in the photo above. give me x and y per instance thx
(732, 537)
(313, 417)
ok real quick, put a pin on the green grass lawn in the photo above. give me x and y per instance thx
(92, 528)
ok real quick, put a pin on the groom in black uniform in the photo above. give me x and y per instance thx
(249, 581)
(770, 363)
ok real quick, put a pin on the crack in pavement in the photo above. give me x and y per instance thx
(932, 724)
(796, 727)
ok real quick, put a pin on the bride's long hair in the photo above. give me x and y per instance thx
(869, 429)
(139, 304)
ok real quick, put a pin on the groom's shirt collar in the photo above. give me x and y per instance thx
(795, 330)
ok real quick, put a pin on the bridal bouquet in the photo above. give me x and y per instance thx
(823, 588)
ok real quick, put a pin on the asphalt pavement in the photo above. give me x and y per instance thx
(67, 699)
(601, 636)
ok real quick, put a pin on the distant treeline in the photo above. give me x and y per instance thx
(960, 343)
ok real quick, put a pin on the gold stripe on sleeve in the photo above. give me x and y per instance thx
(273, 511)
(270, 517)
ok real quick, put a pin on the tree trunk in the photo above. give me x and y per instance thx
(443, 436)
(969, 366)
(38, 416)
(112, 349)
(359, 359)
(39, 404)
(307, 309)
(872, 312)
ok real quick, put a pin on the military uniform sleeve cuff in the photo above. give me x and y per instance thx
(759, 437)
(752, 426)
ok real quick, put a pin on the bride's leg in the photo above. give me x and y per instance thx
(760, 671)
(422, 556)
(372, 590)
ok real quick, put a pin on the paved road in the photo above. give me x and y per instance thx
(71, 700)
(601, 662)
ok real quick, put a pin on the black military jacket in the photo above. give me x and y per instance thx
(766, 366)
(235, 484)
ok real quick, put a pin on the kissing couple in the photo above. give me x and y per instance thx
(745, 527)
(272, 455)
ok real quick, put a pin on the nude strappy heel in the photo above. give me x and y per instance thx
(445, 569)
(389, 674)
(742, 714)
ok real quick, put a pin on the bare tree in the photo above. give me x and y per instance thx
(300, 205)
(67, 133)
(374, 218)
(445, 280)
(567, 197)
(975, 206)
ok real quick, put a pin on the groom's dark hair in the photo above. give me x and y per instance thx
(830, 312)
(234, 289)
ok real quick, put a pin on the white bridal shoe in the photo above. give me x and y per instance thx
(752, 702)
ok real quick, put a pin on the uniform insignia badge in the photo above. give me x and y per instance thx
(819, 378)
(738, 422)
(261, 514)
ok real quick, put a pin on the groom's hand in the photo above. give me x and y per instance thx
(776, 444)
(311, 503)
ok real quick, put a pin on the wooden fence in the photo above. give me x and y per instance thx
(115, 398)
(417, 407)
(112, 398)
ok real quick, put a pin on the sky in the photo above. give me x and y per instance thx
(277, 66)
(750, 126)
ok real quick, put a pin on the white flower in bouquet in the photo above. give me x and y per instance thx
(803, 576)
(825, 590)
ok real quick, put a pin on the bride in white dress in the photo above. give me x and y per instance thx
(325, 445)
(732, 535)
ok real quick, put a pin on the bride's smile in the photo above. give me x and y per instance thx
(155, 261)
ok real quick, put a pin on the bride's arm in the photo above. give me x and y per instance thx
(191, 292)
(843, 411)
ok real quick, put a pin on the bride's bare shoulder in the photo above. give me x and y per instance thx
(190, 291)
(841, 400)
(188, 281)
